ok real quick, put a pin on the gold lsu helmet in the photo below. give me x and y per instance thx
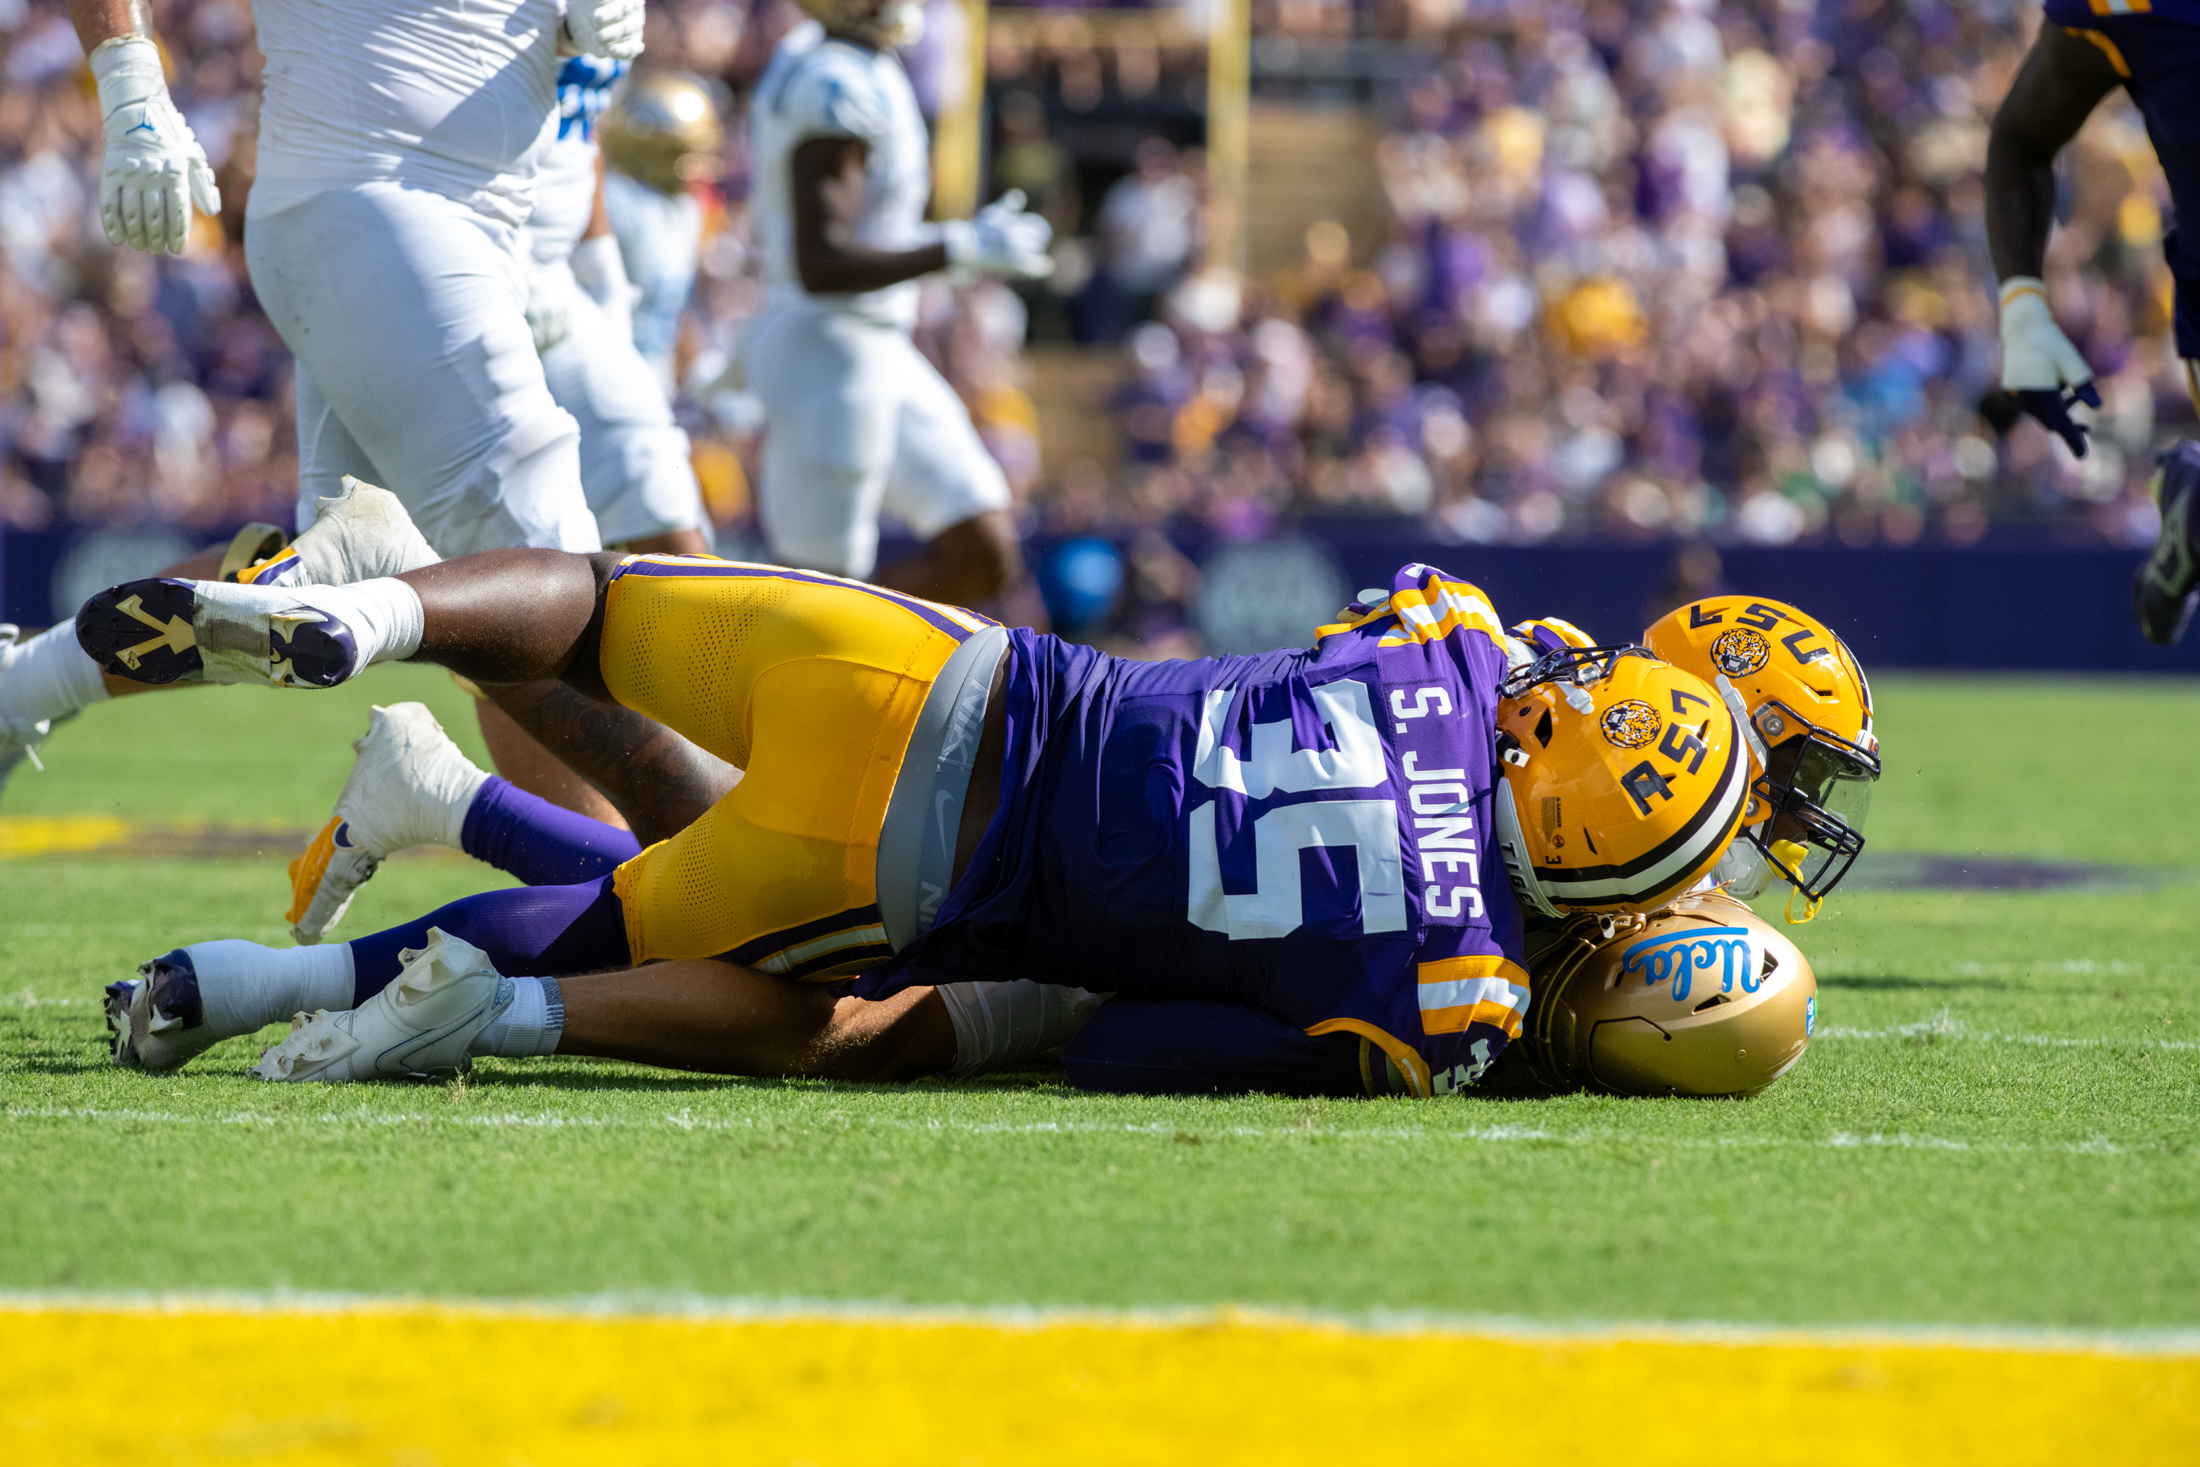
(663, 130)
(887, 24)
(1624, 780)
(1806, 715)
(1703, 998)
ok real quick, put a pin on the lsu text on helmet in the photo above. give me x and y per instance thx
(1703, 998)
(1806, 715)
(1624, 780)
(886, 24)
(663, 130)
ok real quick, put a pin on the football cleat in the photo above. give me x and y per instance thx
(420, 1025)
(155, 1021)
(362, 534)
(411, 786)
(2163, 593)
(167, 631)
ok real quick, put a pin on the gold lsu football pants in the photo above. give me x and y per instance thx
(809, 684)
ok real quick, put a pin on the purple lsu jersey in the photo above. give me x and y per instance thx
(2154, 46)
(1304, 832)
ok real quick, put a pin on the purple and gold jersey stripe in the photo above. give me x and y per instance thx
(1428, 611)
(953, 620)
(842, 940)
(1481, 989)
(1551, 634)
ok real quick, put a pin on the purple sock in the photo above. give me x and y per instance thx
(527, 931)
(541, 843)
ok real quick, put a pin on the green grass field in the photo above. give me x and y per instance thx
(1999, 1126)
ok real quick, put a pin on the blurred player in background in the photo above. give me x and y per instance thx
(1309, 858)
(396, 167)
(857, 420)
(2086, 49)
(581, 306)
(661, 135)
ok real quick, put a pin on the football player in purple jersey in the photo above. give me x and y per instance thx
(1300, 871)
(2087, 49)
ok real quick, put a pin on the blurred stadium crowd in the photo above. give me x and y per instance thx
(1653, 269)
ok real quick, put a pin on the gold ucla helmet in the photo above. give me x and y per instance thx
(663, 130)
(1624, 780)
(887, 24)
(1704, 998)
(1806, 715)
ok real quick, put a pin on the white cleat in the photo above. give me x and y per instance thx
(422, 1024)
(362, 534)
(19, 737)
(410, 787)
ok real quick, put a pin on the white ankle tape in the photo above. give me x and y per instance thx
(1001, 1024)
(243, 985)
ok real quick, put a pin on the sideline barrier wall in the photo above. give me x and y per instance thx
(2006, 605)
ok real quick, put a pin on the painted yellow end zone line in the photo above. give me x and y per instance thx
(426, 1383)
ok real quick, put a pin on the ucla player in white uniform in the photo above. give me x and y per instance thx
(397, 156)
(660, 136)
(634, 463)
(857, 420)
(398, 147)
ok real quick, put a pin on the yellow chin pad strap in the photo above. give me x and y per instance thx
(1790, 853)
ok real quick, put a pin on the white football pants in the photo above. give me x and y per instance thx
(857, 421)
(635, 468)
(405, 311)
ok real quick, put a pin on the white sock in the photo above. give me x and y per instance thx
(243, 985)
(384, 616)
(530, 1024)
(1001, 1024)
(49, 676)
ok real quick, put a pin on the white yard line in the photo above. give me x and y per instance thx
(767, 1308)
(686, 1120)
(1943, 1026)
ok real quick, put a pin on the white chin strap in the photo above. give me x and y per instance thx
(1513, 843)
(1747, 729)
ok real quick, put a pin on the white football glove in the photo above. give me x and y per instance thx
(2039, 365)
(549, 288)
(155, 169)
(610, 28)
(600, 270)
(1002, 240)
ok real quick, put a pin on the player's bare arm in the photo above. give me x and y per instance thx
(827, 181)
(2062, 80)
